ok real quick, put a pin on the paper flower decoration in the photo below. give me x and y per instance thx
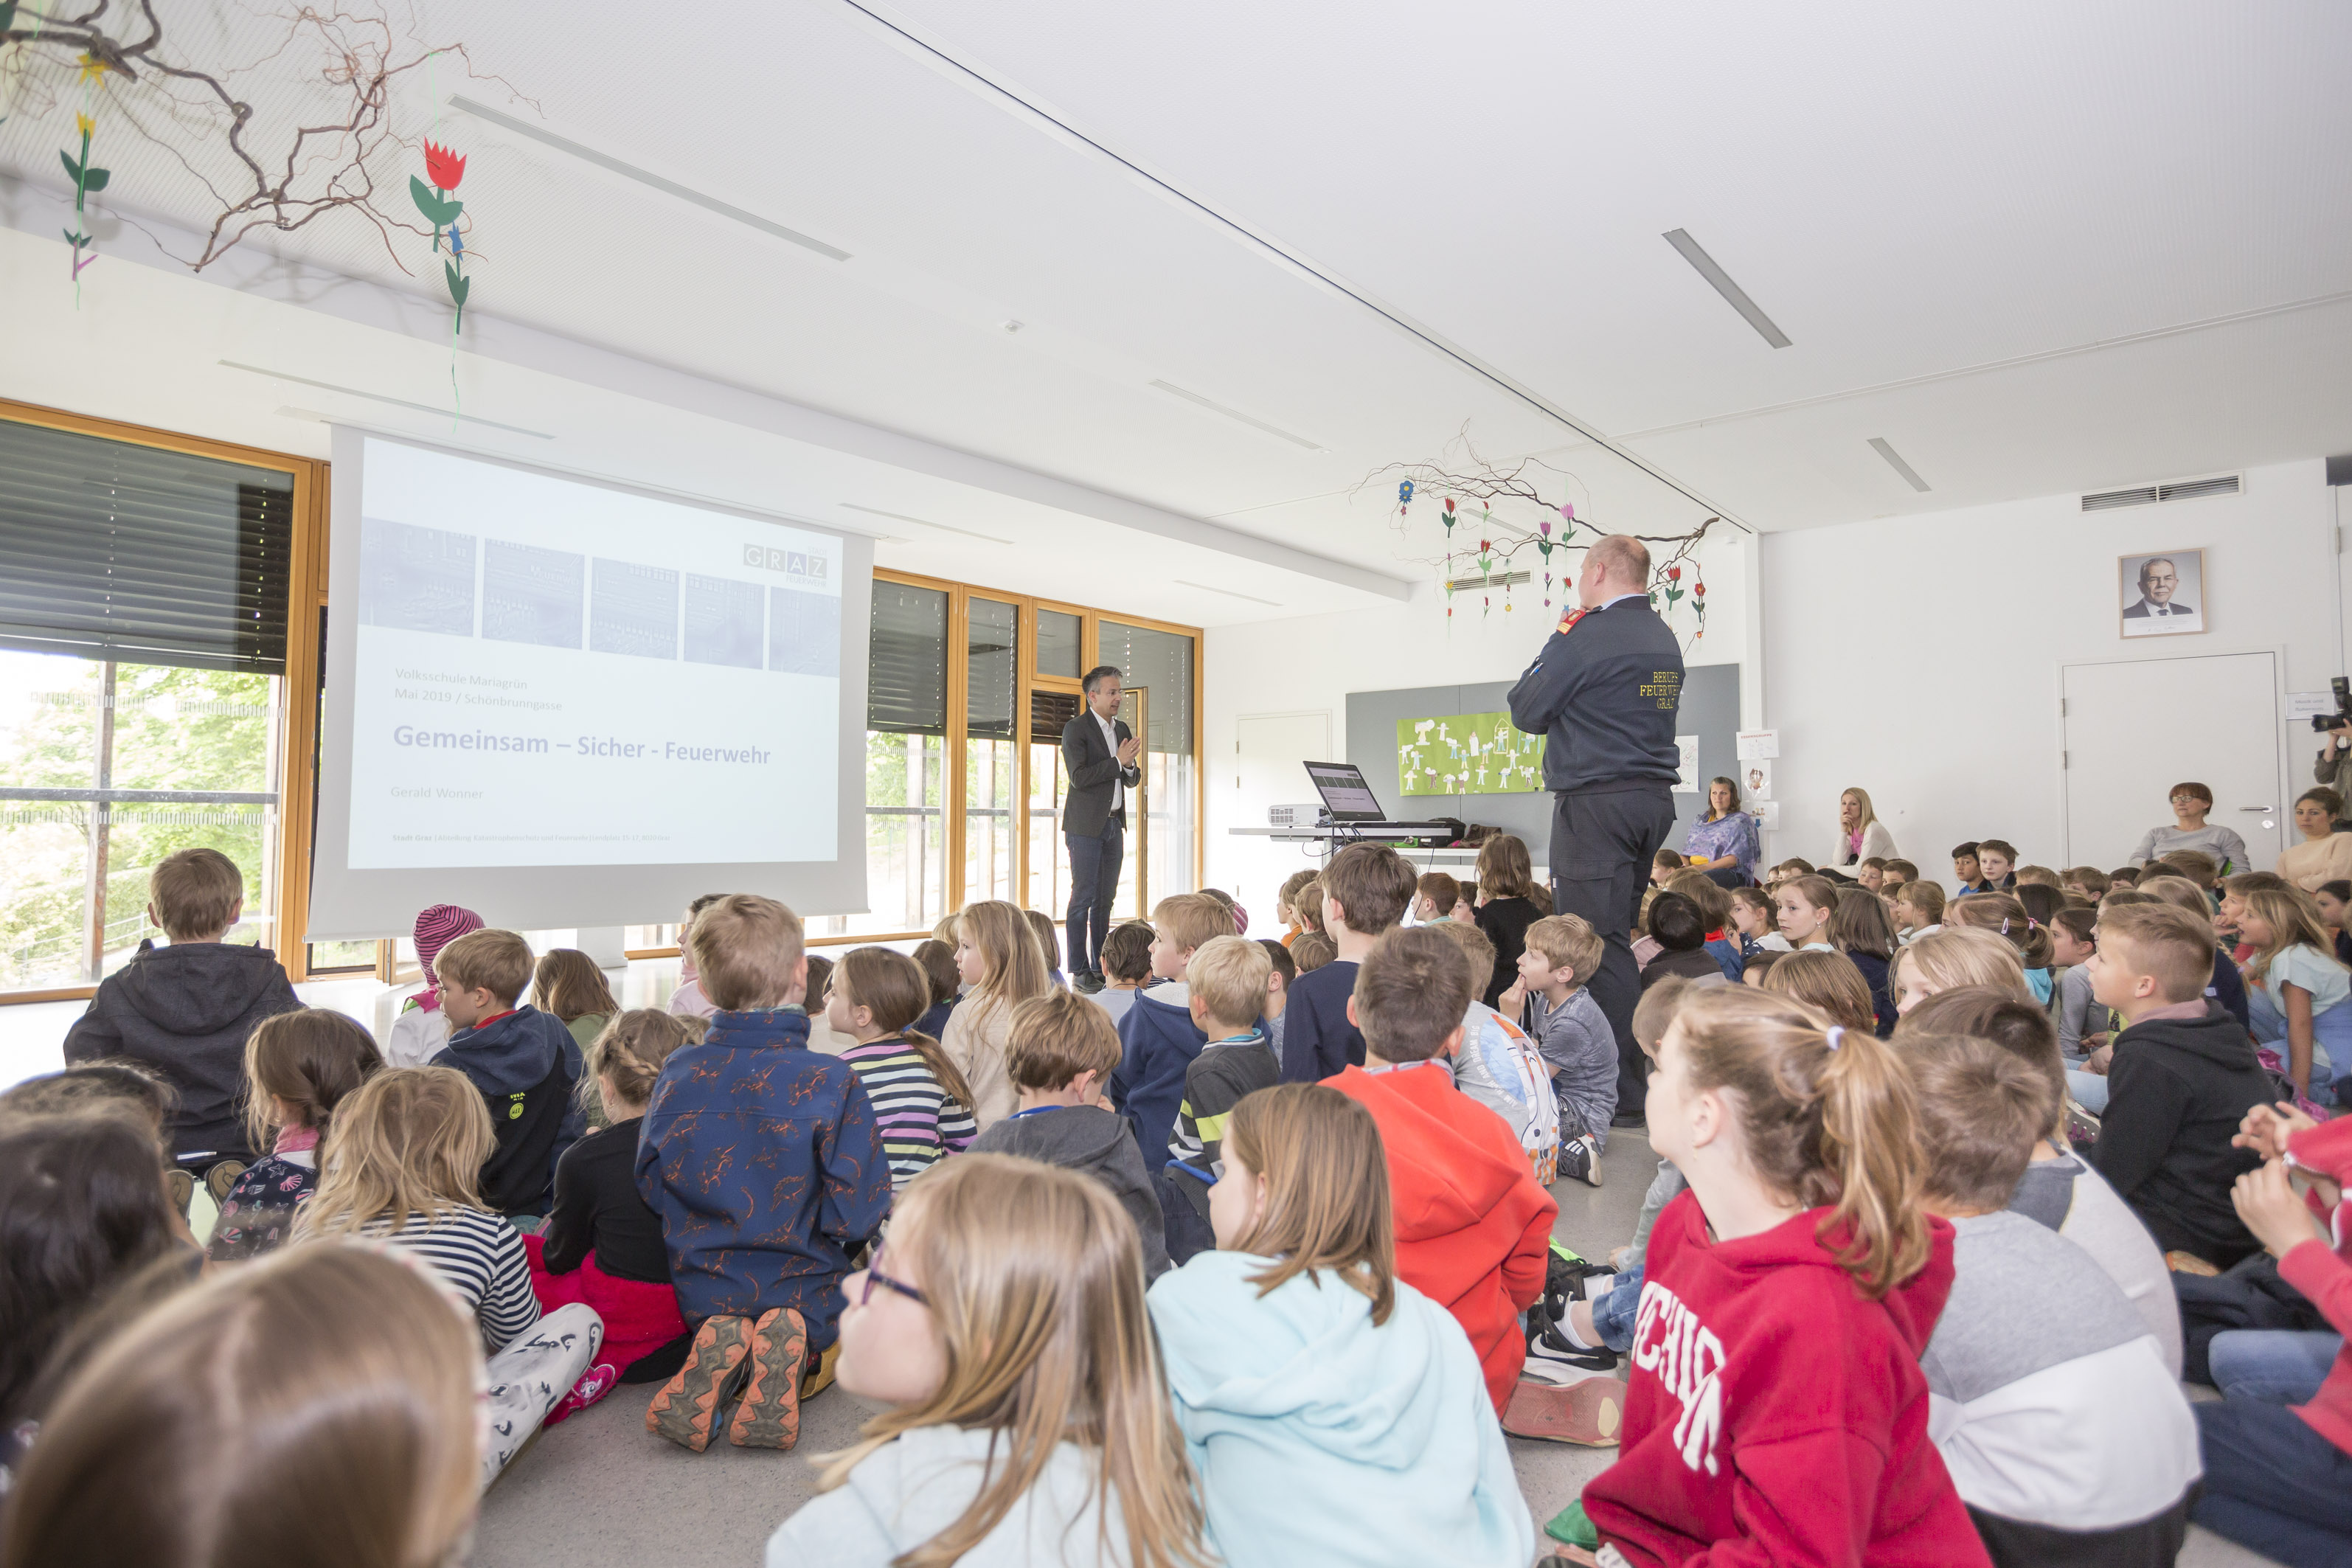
(443, 167)
(1404, 494)
(441, 209)
(87, 181)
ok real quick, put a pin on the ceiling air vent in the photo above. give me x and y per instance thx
(2190, 489)
(1489, 580)
(2164, 491)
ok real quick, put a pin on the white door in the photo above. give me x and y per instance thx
(1269, 754)
(2135, 728)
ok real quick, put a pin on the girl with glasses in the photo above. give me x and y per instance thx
(1003, 1322)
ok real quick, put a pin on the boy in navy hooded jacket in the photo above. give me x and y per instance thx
(524, 1061)
(765, 1162)
(1158, 1039)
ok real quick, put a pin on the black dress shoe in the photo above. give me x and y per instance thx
(1634, 1118)
(1087, 982)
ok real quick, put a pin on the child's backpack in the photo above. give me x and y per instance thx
(1500, 1067)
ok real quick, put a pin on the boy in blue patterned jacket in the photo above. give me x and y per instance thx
(765, 1162)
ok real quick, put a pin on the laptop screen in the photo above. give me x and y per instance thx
(1345, 793)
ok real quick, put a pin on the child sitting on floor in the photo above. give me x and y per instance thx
(1331, 1409)
(2059, 1191)
(763, 1160)
(1161, 1034)
(602, 1243)
(422, 1029)
(317, 1408)
(1226, 980)
(402, 1161)
(1826, 982)
(1573, 1034)
(1473, 1228)
(1004, 1327)
(1286, 905)
(690, 1000)
(1776, 1406)
(185, 1009)
(299, 1066)
(1063, 1049)
(524, 1061)
(1126, 968)
(2061, 1429)
(1805, 904)
(2006, 918)
(920, 1103)
(2298, 993)
(999, 957)
(1282, 969)
(2278, 1473)
(1859, 930)
(938, 959)
(1365, 890)
(1755, 920)
(2184, 1075)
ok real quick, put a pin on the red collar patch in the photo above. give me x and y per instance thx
(1568, 620)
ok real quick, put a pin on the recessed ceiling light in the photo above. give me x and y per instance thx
(380, 397)
(1255, 424)
(1691, 252)
(1895, 460)
(923, 521)
(605, 160)
(1228, 593)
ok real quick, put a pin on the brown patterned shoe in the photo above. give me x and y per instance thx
(770, 1416)
(686, 1411)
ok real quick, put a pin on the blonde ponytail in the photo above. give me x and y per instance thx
(1827, 1117)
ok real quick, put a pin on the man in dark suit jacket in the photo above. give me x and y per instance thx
(1099, 753)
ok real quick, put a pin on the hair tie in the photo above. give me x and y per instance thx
(1837, 1033)
(2031, 925)
(2004, 925)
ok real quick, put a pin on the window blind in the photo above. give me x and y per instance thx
(113, 551)
(907, 661)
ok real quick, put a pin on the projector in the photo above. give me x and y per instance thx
(1294, 815)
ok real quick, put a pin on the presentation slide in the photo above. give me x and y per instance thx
(534, 673)
(552, 673)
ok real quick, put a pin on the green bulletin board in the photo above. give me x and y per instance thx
(1468, 754)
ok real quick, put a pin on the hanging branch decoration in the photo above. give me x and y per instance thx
(1500, 543)
(441, 210)
(259, 171)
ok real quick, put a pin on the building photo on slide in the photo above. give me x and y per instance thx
(995, 809)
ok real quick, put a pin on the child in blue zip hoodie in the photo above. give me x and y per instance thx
(524, 1061)
(1158, 1039)
(1334, 1413)
(765, 1162)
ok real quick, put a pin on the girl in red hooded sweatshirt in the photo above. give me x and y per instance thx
(1775, 1412)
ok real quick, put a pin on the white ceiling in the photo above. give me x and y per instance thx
(2035, 248)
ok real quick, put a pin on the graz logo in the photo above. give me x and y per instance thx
(796, 563)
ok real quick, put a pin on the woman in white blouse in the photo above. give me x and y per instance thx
(1861, 836)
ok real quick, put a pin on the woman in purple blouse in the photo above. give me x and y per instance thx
(1723, 841)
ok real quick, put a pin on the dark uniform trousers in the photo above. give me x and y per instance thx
(1603, 844)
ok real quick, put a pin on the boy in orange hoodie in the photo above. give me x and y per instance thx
(1473, 1227)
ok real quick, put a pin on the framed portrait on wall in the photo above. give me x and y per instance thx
(2161, 594)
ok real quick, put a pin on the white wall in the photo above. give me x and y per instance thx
(1310, 664)
(1918, 657)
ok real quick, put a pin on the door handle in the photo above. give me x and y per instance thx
(2257, 808)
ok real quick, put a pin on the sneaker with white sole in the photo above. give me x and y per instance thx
(1581, 1158)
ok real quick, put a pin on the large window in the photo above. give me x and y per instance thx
(970, 689)
(154, 591)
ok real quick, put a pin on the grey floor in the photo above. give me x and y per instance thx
(600, 1490)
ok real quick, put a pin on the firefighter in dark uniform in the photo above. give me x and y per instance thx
(1604, 691)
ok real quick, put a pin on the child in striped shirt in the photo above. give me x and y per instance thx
(401, 1168)
(920, 1102)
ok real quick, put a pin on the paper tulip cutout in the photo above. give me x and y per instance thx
(441, 209)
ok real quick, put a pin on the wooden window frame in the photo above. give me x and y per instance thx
(297, 738)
